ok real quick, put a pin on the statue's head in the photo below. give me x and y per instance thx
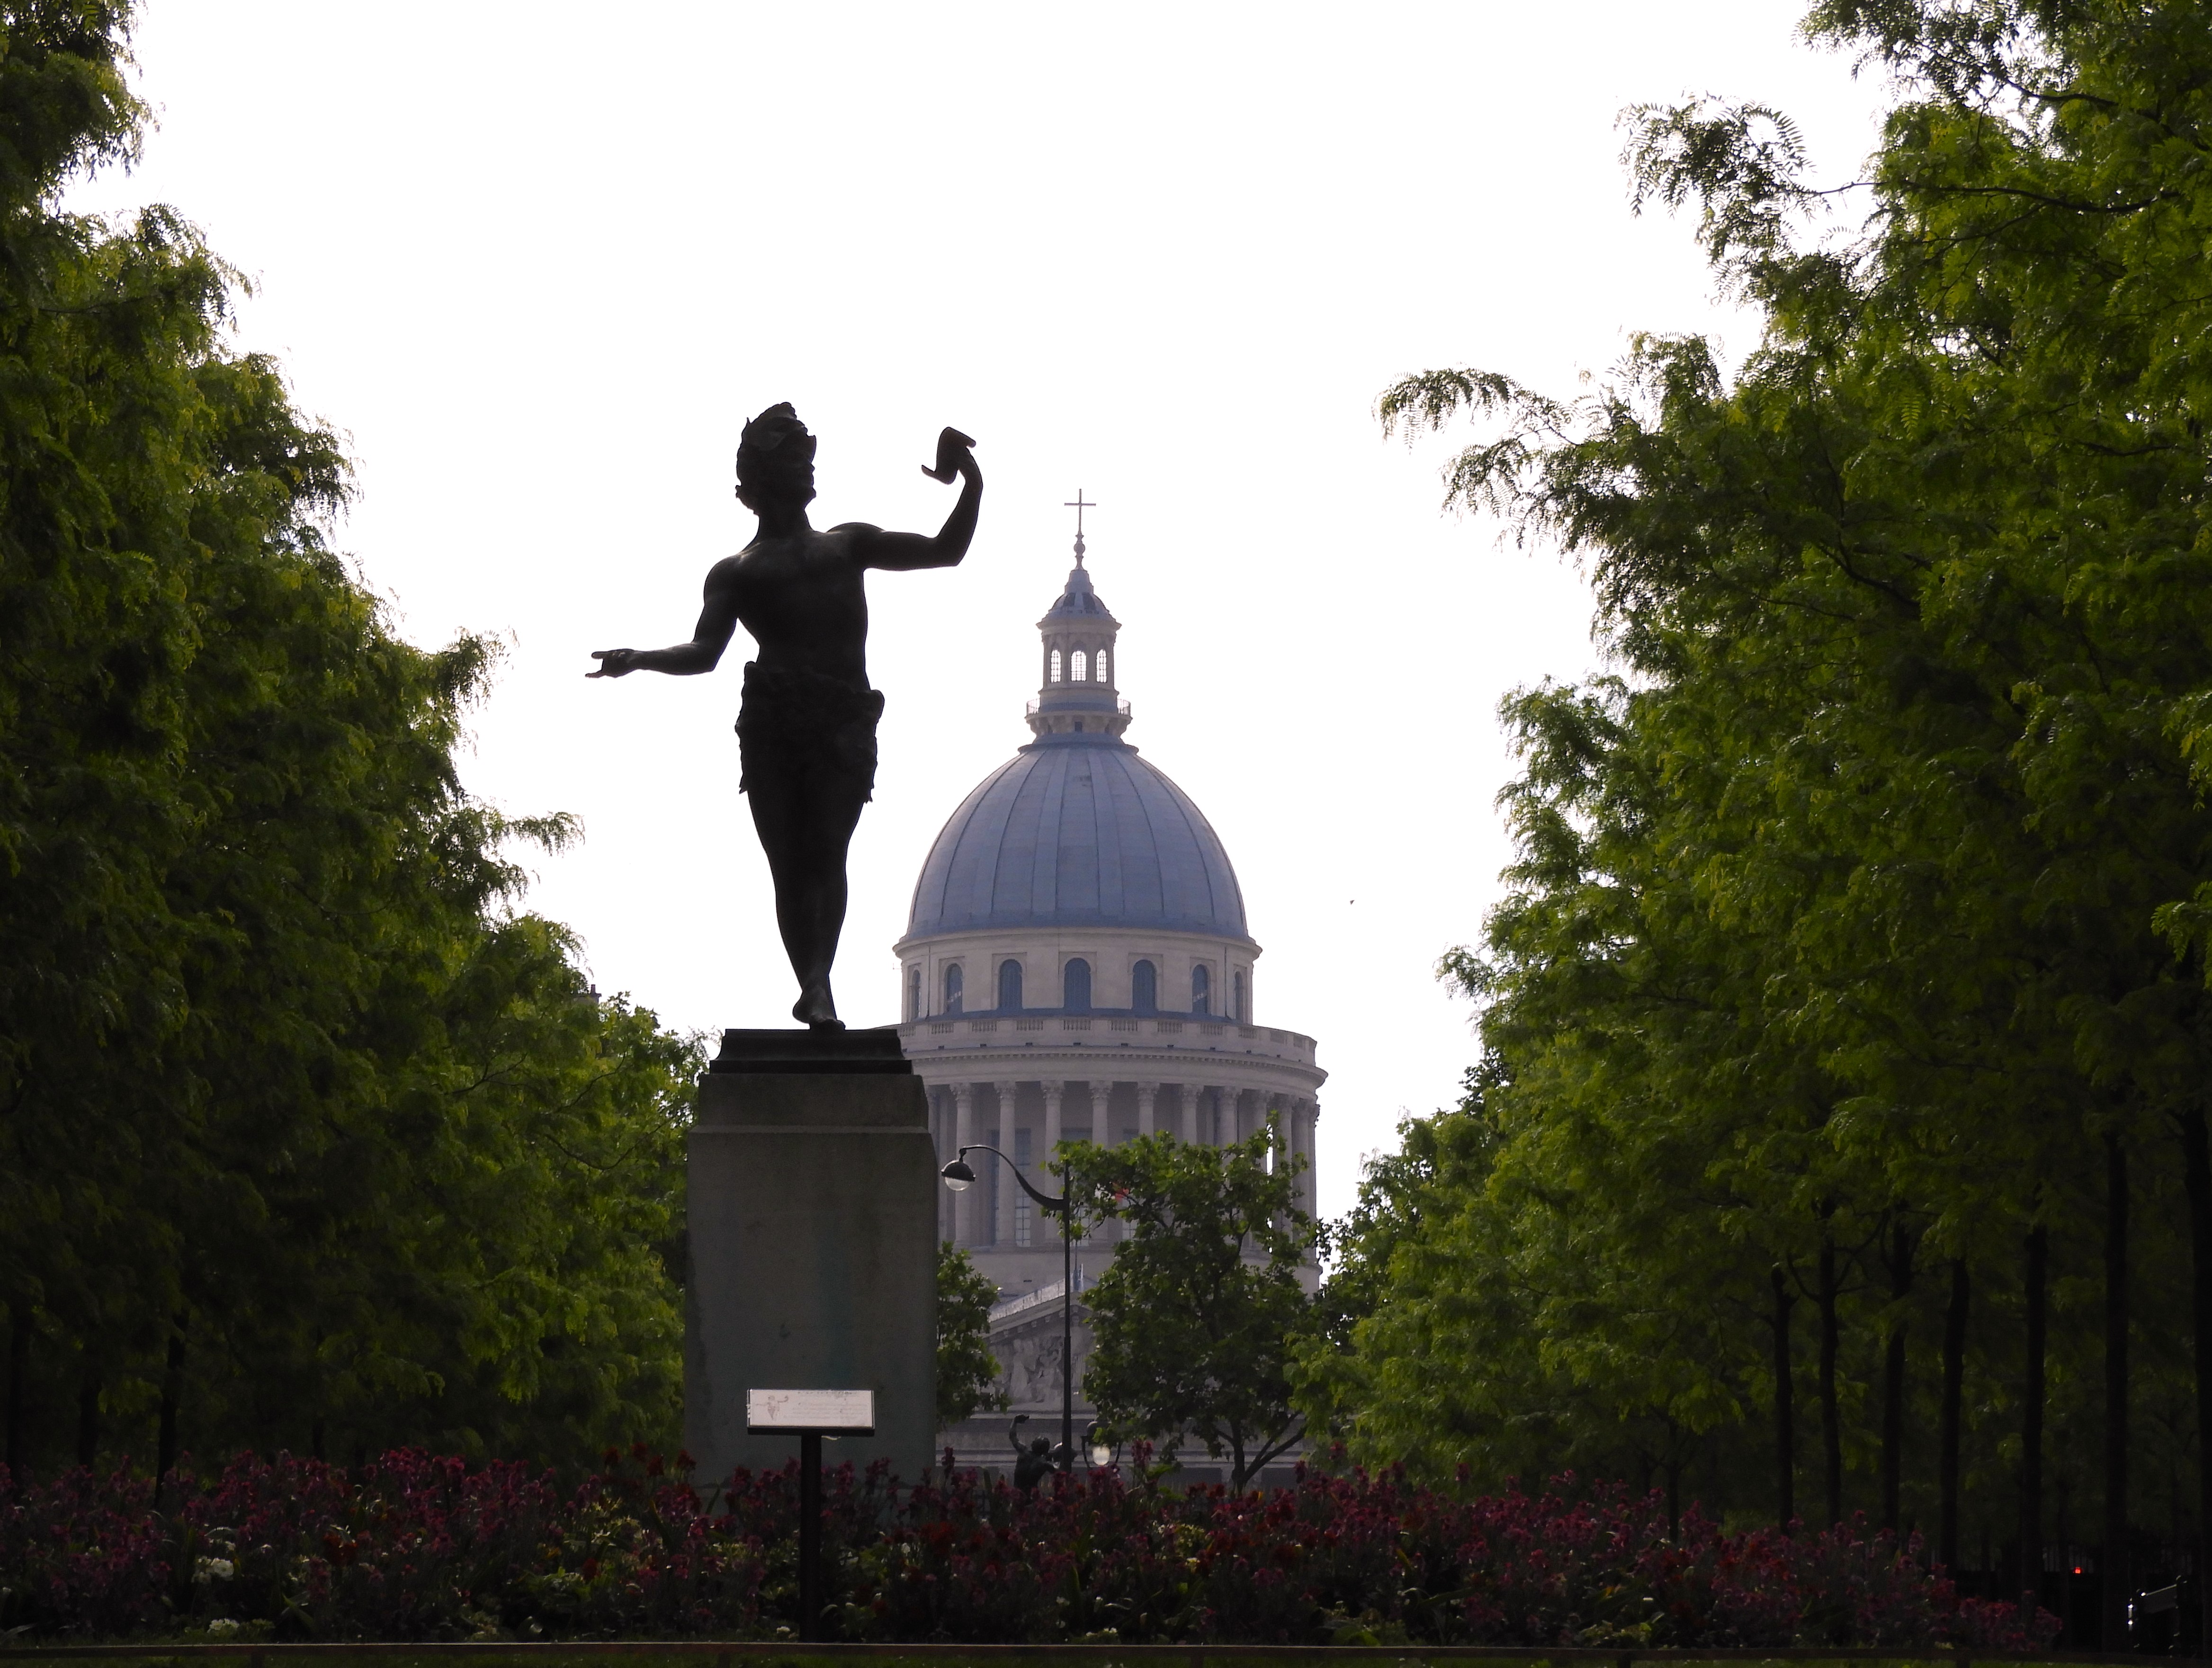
(1040, 1447)
(776, 460)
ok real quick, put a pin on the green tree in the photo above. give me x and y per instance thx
(308, 1136)
(968, 1374)
(1853, 937)
(1194, 1321)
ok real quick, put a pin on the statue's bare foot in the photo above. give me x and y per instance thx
(814, 1007)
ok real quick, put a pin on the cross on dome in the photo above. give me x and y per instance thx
(1079, 506)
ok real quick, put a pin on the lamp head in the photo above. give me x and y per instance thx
(959, 1175)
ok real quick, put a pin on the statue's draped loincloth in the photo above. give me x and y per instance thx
(807, 728)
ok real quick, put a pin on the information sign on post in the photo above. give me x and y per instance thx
(818, 1412)
(810, 1416)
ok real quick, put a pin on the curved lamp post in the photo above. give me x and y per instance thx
(960, 1176)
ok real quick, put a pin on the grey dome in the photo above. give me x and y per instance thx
(1078, 831)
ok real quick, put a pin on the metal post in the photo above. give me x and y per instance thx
(809, 1537)
(1068, 1330)
(960, 1174)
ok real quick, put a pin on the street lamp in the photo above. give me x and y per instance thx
(1099, 1446)
(960, 1176)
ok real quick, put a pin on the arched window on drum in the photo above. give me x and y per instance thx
(1145, 989)
(1241, 1012)
(1076, 665)
(1201, 989)
(952, 989)
(1075, 986)
(1010, 987)
(1100, 667)
(914, 993)
(1055, 665)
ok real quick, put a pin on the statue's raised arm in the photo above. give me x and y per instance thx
(955, 459)
(806, 728)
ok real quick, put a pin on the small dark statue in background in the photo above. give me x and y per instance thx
(806, 728)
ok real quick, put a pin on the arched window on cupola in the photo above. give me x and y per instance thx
(952, 989)
(1144, 988)
(1201, 989)
(1076, 669)
(914, 993)
(1243, 1015)
(1010, 986)
(1055, 666)
(1075, 986)
(1101, 667)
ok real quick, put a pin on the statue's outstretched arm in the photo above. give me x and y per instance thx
(718, 621)
(955, 455)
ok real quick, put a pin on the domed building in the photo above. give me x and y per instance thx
(1077, 966)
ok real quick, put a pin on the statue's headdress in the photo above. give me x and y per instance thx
(775, 450)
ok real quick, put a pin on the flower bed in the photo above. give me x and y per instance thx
(417, 1546)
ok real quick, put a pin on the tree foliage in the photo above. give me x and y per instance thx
(1854, 957)
(968, 1374)
(306, 1137)
(1193, 1320)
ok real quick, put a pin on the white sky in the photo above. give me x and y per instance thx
(541, 261)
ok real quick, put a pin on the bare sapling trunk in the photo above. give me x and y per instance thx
(2037, 1292)
(172, 1391)
(88, 1417)
(19, 1375)
(1832, 1424)
(1785, 1428)
(2113, 1566)
(1948, 1437)
(1901, 1247)
(2196, 1179)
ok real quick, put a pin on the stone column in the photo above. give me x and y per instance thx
(1189, 1093)
(1277, 1108)
(964, 1134)
(1302, 1121)
(941, 1142)
(1053, 1091)
(1147, 1094)
(1224, 1102)
(1002, 1228)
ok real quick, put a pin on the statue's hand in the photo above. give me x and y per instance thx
(956, 456)
(614, 662)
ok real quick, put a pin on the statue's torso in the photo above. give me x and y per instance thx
(804, 597)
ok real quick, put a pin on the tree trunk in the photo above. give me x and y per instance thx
(2030, 1426)
(173, 1390)
(19, 1374)
(1831, 1428)
(1785, 1428)
(1892, 1387)
(1954, 1384)
(88, 1418)
(2197, 1177)
(2113, 1566)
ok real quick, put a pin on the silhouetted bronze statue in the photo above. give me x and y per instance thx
(806, 728)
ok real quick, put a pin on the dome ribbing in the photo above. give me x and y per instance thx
(1078, 831)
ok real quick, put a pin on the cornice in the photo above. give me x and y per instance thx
(1127, 1063)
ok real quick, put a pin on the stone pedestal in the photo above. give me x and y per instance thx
(812, 1205)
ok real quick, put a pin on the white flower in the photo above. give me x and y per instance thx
(215, 1569)
(222, 1626)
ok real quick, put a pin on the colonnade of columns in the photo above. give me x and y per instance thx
(1215, 1114)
